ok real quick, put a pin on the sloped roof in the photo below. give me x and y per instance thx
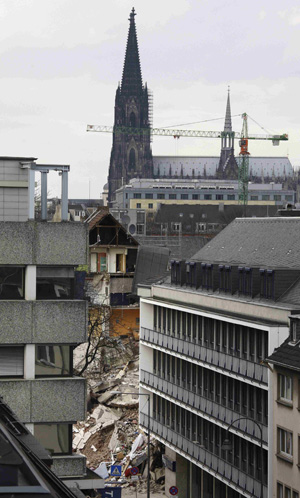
(287, 355)
(268, 242)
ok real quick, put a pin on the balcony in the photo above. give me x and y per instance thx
(211, 463)
(57, 322)
(221, 361)
(208, 407)
(46, 400)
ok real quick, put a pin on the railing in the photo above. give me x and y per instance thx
(206, 406)
(223, 361)
(211, 463)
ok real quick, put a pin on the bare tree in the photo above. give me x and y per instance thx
(98, 335)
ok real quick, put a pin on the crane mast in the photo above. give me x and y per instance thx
(243, 164)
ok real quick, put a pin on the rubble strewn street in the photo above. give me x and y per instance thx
(110, 435)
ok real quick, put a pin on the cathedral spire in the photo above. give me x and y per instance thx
(132, 77)
(227, 125)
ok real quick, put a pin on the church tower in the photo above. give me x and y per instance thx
(131, 155)
(227, 165)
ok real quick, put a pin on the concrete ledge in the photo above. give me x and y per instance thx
(43, 243)
(57, 400)
(40, 322)
(69, 465)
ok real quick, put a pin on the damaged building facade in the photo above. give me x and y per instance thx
(206, 333)
(112, 262)
(41, 319)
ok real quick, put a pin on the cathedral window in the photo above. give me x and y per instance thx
(132, 160)
(132, 120)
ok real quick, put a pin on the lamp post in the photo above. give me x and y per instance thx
(227, 446)
(148, 448)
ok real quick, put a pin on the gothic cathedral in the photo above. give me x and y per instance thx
(131, 155)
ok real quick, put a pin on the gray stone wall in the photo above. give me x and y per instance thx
(46, 400)
(42, 243)
(69, 466)
(40, 322)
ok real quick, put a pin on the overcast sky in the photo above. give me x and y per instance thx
(61, 60)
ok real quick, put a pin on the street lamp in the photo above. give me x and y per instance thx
(227, 446)
(148, 449)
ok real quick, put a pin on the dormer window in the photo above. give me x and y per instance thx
(295, 330)
(191, 274)
(225, 278)
(267, 283)
(206, 275)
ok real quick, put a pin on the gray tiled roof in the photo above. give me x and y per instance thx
(267, 242)
(287, 355)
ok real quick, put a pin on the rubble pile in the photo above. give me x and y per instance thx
(110, 435)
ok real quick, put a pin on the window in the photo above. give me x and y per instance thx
(219, 197)
(54, 282)
(140, 229)
(11, 361)
(11, 282)
(289, 198)
(287, 492)
(56, 438)
(184, 196)
(195, 197)
(277, 197)
(137, 196)
(53, 360)
(172, 196)
(285, 443)
(231, 197)
(295, 494)
(176, 227)
(285, 391)
(138, 205)
(101, 262)
(279, 490)
(265, 197)
(207, 197)
(150, 205)
(160, 196)
(149, 196)
(254, 197)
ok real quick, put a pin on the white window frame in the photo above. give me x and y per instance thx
(285, 384)
(285, 443)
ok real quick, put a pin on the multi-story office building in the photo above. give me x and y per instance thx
(148, 194)
(41, 319)
(205, 333)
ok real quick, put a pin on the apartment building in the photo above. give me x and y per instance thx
(285, 363)
(41, 318)
(205, 334)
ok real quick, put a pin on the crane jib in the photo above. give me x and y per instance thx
(168, 132)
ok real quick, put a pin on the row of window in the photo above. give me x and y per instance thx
(243, 398)
(51, 282)
(286, 491)
(234, 339)
(218, 197)
(244, 455)
(50, 360)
